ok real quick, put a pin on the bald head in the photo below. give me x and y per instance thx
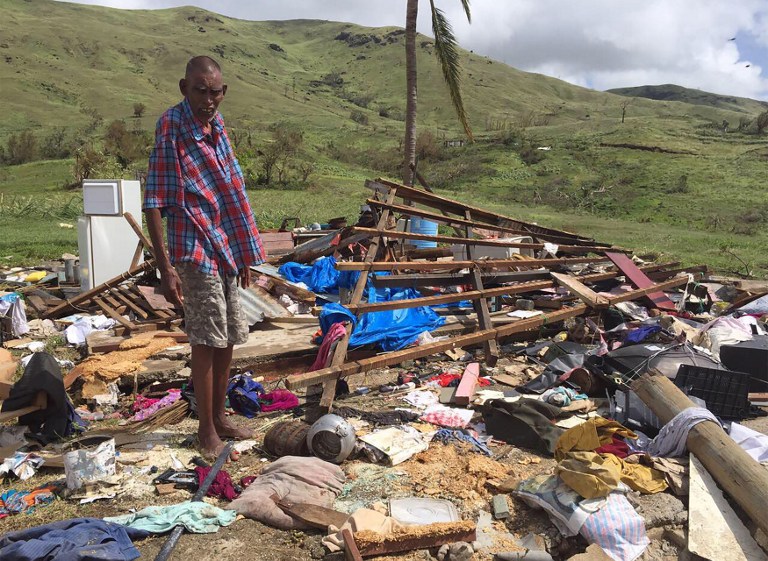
(203, 87)
(202, 64)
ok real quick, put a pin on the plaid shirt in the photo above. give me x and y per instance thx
(196, 182)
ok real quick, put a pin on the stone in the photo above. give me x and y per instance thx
(661, 509)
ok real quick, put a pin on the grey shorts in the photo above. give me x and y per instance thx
(213, 315)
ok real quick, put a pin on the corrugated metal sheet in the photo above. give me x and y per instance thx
(257, 307)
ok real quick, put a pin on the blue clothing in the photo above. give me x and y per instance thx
(77, 539)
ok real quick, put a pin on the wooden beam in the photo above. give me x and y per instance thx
(484, 264)
(740, 475)
(639, 279)
(586, 294)
(476, 241)
(71, 303)
(39, 402)
(121, 295)
(415, 537)
(466, 388)
(416, 280)
(108, 310)
(136, 227)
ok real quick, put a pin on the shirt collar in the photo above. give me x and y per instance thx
(217, 123)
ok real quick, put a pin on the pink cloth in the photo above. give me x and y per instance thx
(142, 403)
(336, 332)
(278, 400)
(173, 396)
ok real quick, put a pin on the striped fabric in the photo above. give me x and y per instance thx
(617, 528)
(196, 182)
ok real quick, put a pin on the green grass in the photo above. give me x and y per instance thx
(700, 197)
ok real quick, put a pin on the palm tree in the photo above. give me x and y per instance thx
(447, 53)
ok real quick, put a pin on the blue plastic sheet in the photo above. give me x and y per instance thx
(391, 329)
(321, 277)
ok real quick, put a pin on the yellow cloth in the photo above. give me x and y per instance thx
(594, 433)
(594, 475)
(35, 276)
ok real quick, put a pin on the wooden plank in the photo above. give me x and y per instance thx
(136, 227)
(351, 553)
(585, 294)
(39, 402)
(314, 515)
(113, 314)
(111, 300)
(484, 264)
(416, 280)
(479, 214)
(89, 294)
(639, 279)
(714, 530)
(634, 294)
(138, 310)
(466, 388)
(475, 241)
(507, 380)
(481, 304)
(740, 475)
(137, 253)
(5, 390)
(415, 537)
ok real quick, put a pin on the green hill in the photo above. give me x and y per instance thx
(667, 178)
(671, 92)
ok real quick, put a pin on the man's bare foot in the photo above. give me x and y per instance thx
(227, 429)
(209, 444)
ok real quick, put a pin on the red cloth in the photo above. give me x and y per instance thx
(196, 182)
(336, 332)
(221, 487)
(618, 448)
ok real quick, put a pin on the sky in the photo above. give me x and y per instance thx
(712, 45)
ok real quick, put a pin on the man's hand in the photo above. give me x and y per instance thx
(244, 277)
(170, 285)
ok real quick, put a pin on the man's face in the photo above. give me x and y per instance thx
(204, 90)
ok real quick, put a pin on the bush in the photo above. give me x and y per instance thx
(124, 145)
(359, 117)
(21, 148)
(530, 154)
(428, 147)
(55, 145)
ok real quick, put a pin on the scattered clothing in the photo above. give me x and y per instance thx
(562, 396)
(590, 435)
(58, 419)
(672, 440)
(16, 502)
(420, 398)
(336, 332)
(82, 326)
(173, 396)
(393, 417)
(443, 416)
(618, 447)
(447, 435)
(221, 487)
(77, 539)
(617, 528)
(278, 400)
(754, 443)
(448, 380)
(195, 517)
(14, 304)
(594, 475)
(526, 423)
(292, 479)
(243, 394)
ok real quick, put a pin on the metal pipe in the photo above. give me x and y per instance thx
(173, 539)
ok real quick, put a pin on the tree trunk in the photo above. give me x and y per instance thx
(412, 11)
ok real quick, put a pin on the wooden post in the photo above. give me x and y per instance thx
(745, 480)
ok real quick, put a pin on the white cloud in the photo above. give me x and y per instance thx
(600, 43)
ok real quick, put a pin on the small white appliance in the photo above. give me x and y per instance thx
(104, 238)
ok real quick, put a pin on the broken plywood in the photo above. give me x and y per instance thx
(715, 532)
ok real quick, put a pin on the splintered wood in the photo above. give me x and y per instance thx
(414, 537)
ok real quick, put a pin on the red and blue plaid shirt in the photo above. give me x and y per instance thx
(196, 182)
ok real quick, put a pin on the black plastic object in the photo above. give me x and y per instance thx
(724, 391)
(751, 357)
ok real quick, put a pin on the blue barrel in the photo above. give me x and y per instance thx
(418, 225)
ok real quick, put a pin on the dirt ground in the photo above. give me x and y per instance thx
(444, 471)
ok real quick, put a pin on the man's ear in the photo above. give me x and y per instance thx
(183, 87)
(223, 90)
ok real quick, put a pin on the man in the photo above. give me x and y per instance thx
(196, 184)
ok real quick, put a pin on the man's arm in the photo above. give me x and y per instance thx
(169, 278)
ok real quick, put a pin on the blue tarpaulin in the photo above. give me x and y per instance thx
(321, 277)
(391, 329)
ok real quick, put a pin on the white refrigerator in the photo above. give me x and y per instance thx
(105, 240)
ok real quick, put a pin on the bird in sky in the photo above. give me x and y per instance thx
(747, 66)
(732, 39)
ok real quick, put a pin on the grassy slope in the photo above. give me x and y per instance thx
(77, 59)
(671, 92)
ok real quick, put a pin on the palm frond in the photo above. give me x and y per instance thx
(465, 5)
(446, 49)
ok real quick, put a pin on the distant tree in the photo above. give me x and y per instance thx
(277, 156)
(624, 104)
(138, 110)
(447, 53)
(744, 123)
(55, 146)
(124, 145)
(762, 122)
(21, 148)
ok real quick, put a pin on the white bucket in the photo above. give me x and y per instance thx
(90, 459)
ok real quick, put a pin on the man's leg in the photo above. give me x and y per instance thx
(222, 358)
(203, 358)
